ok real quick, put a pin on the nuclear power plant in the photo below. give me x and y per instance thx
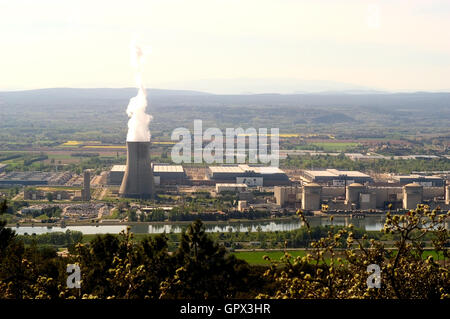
(360, 197)
(137, 181)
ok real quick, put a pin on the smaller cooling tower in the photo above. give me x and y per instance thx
(137, 181)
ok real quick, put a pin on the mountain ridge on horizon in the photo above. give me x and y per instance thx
(186, 92)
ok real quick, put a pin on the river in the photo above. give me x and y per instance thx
(368, 223)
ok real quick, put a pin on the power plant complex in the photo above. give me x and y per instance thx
(337, 190)
(369, 198)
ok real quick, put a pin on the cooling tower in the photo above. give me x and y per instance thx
(137, 181)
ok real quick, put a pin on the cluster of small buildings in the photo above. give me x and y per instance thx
(31, 193)
(84, 211)
(357, 156)
(38, 194)
(35, 178)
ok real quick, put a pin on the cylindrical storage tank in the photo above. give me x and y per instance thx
(352, 192)
(311, 196)
(412, 195)
(138, 178)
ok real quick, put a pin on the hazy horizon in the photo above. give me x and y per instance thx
(344, 90)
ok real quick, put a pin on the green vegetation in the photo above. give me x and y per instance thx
(329, 146)
(334, 267)
(58, 239)
(265, 257)
(378, 166)
(256, 257)
(394, 124)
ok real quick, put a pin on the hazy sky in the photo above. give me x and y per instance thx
(226, 45)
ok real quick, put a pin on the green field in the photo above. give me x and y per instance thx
(256, 257)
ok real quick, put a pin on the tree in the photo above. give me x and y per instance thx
(50, 197)
(7, 235)
(132, 215)
(139, 273)
(328, 272)
(95, 260)
(204, 270)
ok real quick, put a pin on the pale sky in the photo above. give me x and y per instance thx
(207, 45)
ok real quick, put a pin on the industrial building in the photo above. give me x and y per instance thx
(163, 174)
(242, 205)
(335, 177)
(166, 174)
(35, 178)
(311, 196)
(37, 194)
(115, 175)
(249, 175)
(229, 187)
(287, 195)
(358, 196)
(412, 195)
(447, 195)
(430, 181)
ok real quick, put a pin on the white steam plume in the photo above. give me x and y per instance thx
(138, 130)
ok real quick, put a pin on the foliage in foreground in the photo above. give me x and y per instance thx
(119, 267)
(341, 271)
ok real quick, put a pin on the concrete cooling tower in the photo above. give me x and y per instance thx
(138, 178)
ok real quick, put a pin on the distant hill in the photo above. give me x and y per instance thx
(87, 113)
(333, 118)
(396, 104)
(160, 97)
(86, 93)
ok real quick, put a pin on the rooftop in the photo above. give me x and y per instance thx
(231, 185)
(413, 185)
(331, 172)
(416, 176)
(246, 168)
(30, 176)
(118, 168)
(160, 168)
(226, 169)
(157, 168)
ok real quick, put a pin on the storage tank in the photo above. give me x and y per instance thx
(352, 192)
(138, 178)
(311, 196)
(412, 195)
(447, 195)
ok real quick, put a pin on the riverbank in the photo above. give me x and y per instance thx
(105, 222)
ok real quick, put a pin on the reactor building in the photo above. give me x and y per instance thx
(137, 180)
